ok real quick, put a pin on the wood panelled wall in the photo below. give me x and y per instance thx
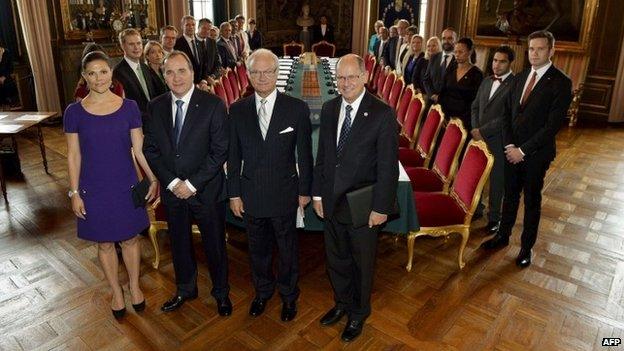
(604, 58)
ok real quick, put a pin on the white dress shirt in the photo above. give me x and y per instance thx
(540, 73)
(497, 84)
(191, 44)
(448, 58)
(269, 104)
(323, 29)
(134, 66)
(187, 100)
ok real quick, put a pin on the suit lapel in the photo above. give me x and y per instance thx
(168, 119)
(192, 112)
(254, 124)
(275, 123)
(133, 77)
(334, 126)
(487, 87)
(361, 119)
(543, 82)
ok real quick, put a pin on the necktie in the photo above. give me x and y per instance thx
(494, 85)
(263, 118)
(194, 48)
(495, 79)
(345, 130)
(528, 89)
(139, 73)
(177, 128)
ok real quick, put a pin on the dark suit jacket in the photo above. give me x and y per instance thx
(160, 87)
(211, 62)
(131, 86)
(418, 73)
(198, 63)
(487, 114)
(201, 152)
(533, 127)
(434, 75)
(384, 51)
(255, 40)
(389, 52)
(317, 34)
(370, 156)
(227, 59)
(268, 184)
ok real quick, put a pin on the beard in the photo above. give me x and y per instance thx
(448, 47)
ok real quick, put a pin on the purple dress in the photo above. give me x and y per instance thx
(107, 172)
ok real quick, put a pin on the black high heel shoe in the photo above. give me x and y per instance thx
(119, 314)
(139, 306)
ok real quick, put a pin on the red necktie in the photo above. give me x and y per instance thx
(528, 89)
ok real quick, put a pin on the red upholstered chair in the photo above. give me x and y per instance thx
(441, 214)
(370, 62)
(220, 91)
(381, 79)
(387, 86)
(372, 83)
(231, 76)
(421, 155)
(228, 89)
(411, 123)
(439, 177)
(243, 80)
(293, 48)
(324, 49)
(404, 102)
(396, 92)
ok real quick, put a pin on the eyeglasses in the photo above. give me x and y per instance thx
(267, 74)
(349, 78)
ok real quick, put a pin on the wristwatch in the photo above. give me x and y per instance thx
(72, 193)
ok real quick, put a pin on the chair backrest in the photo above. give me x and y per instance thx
(387, 87)
(370, 63)
(324, 49)
(234, 85)
(374, 79)
(228, 89)
(413, 117)
(471, 177)
(381, 79)
(242, 77)
(395, 92)
(404, 101)
(293, 49)
(445, 162)
(220, 92)
(429, 134)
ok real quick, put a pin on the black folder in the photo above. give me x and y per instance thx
(361, 204)
(139, 192)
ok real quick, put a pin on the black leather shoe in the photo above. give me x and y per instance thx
(289, 311)
(176, 302)
(524, 258)
(332, 316)
(352, 330)
(497, 242)
(224, 306)
(492, 227)
(118, 314)
(257, 306)
(139, 306)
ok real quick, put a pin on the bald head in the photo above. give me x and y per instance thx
(351, 76)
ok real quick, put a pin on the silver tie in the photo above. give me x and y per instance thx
(263, 118)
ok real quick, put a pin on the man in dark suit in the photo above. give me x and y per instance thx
(271, 134)
(535, 109)
(211, 63)
(358, 147)
(188, 44)
(323, 31)
(380, 49)
(395, 43)
(132, 73)
(488, 109)
(186, 142)
(439, 64)
(226, 46)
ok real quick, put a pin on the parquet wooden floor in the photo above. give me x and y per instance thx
(53, 295)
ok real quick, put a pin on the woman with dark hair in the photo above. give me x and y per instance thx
(461, 83)
(82, 89)
(103, 134)
(8, 87)
(254, 37)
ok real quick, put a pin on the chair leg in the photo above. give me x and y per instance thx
(410, 250)
(154, 239)
(460, 257)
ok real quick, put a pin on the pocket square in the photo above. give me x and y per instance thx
(287, 130)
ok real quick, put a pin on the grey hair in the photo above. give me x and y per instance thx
(175, 53)
(258, 52)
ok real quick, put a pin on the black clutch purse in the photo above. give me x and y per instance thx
(139, 192)
(361, 204)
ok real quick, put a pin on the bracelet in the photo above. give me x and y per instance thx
(154, 181)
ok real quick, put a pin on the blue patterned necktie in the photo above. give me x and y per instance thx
(177, 128)
(345, 130)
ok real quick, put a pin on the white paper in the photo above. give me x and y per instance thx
(300, 215)
(9, 128)
(35, 118)
(3, 116)
(281, 89)
(402, 174)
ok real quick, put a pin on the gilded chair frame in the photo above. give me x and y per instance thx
(292, 43)
(451, 173)
(462, 229)
(426, 154)
(371, 74)
(396, 79)
(323, 42)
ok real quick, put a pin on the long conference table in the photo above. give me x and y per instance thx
(315, 83)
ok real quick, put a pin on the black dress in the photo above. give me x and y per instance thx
(160, 86)
(456, 96)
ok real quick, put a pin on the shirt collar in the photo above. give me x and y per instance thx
(504, 76)
(186, 98)
(188, 38)
(132, 64)
(540, 71)
(355, 104)
(270, 99)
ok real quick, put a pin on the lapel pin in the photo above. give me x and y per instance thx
(365, 114)
(196, 105)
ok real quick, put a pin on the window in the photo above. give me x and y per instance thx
(422, 18)
(202, 9)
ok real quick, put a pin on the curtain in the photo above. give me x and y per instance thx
(35, 26)
(249, 9)
(177, 10)
(359, 32)
(435, 18)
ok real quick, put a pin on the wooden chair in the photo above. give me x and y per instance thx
(411, 125)
(421, 154)
(404, 101)
(293, 49)
(387, 86)
(439, 177)
(324, 49)
(442, 214)
(395, 92)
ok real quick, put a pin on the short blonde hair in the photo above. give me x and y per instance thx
(128, 32)
(437, 40)
(149, 46)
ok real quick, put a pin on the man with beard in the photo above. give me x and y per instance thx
(439, 64)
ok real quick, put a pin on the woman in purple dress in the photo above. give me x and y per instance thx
(103, 132)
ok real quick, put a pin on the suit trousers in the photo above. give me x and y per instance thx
(497, 179)
(210, 219)
(526, 177)
(351, 265)
(263, 235)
